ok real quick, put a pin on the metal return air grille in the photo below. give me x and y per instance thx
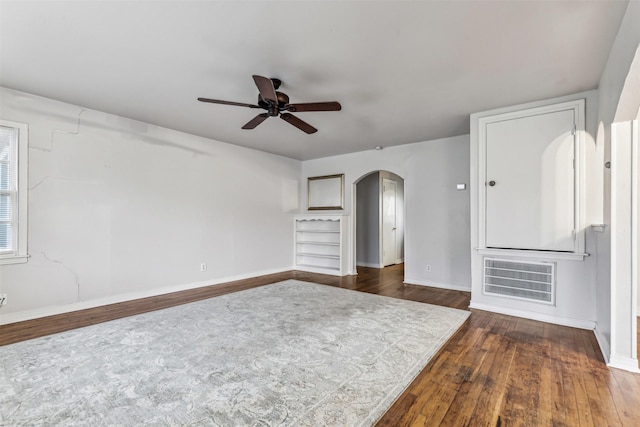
(531, 281)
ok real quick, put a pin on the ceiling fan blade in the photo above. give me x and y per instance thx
(256, 121)
(217, 101)
(300, 124)
(315, 106)
(265, 86)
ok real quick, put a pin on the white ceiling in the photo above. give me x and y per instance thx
(404, 71)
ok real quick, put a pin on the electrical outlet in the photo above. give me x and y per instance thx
(3, 299)
(428, 267)
(203, 266)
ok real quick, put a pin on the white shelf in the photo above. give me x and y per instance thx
(318, 255)
(308, 242)
(316, 267)
(319, 243)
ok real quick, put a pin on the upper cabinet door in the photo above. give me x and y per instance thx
(530, 182)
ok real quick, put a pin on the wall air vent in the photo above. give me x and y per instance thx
(531, 281)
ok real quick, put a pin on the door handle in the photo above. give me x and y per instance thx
(492, 183)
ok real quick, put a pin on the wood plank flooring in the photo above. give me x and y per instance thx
(495, 371)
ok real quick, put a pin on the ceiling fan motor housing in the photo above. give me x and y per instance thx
(283, 101)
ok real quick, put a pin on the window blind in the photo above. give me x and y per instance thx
(8, 187)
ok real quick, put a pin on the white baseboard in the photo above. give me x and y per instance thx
(605, 349)
(368, 264)
(82, 305)
(622, 362)
(548, 318)
(437, 285)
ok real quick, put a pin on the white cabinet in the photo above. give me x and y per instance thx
(320, 244)
(529, 168)
(529, 187)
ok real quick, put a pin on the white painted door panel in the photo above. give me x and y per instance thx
(388, 222)
(530, 163)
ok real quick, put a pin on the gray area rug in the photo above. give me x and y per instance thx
(291, 353)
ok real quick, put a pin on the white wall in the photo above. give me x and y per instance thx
(610, 89)
(437, 215)
(121, 209)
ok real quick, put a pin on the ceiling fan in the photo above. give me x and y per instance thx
(277, 104)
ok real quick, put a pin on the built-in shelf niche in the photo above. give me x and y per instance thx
(320, 244)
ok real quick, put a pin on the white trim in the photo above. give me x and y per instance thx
(613, 253)
(14, 259)
(623, 252)
(114, 299)
(318, 270)
(351, 239)
(544, 255)
(548, 318)
(603, 343)
(437, 285)
(622, 362)
(380, 228)
(635, 236)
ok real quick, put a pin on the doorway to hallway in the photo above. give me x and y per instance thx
(379, 220)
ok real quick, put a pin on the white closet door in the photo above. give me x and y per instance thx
(388, 222)
(530, 182)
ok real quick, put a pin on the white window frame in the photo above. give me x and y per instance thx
(20, 214)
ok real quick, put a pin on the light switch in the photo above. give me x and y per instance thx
(461, 186)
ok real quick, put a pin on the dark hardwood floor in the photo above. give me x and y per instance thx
(496, 370)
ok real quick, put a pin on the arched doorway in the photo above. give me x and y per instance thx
(379, 219)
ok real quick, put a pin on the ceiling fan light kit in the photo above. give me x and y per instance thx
(277, 104)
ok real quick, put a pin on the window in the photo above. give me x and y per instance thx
(13, 192)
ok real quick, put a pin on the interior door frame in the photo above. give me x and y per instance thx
(624, 245)
(381, 244)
